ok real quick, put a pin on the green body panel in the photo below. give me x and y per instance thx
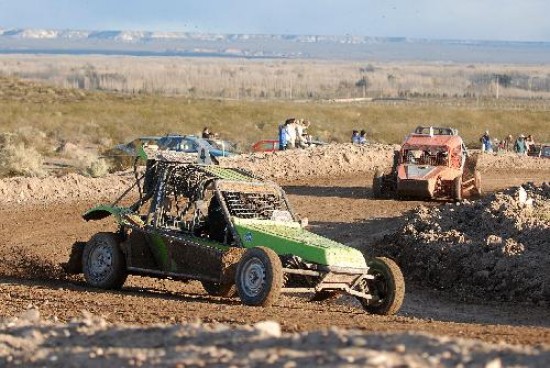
(291, 238)
(160, 252)
(208, 243)
(227, 173)
(105, 210)
(141, 153)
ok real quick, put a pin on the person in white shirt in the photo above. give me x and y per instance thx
(290, 131)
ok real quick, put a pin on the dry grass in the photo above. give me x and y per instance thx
(16, 159)
(43, 116)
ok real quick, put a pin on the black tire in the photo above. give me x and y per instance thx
(477, 183)
(103, 263)
(259, 277)
(387, 287)
(217, 289)
(377, 184)
(457, 188)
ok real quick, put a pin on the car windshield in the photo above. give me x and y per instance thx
(545, 151)
(180, 144)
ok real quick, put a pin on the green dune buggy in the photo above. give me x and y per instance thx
(232, 231)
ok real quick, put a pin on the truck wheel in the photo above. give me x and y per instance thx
(217, 289)
(457, 188)
(103, 263)
(377, 183)
(259, 277)
(387, 288)
(477, 183)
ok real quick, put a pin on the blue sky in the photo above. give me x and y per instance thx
(524, 20)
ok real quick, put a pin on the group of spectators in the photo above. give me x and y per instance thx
(520, 145)
(294, 134)
(359, 137)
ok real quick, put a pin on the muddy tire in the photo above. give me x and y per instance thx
(217, 289)
(103, 263)
(377, 184)
(457, 188)
(387, 287)
(478, 188)
(259, 277)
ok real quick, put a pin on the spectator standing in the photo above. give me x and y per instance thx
(355, 137)
(301, 141)
(520, 147)
(363, 137)
(206, 133)
(486, 144)
(282, 136)
(508, 143)
(290, 133)
(305, 133)
(529, 141)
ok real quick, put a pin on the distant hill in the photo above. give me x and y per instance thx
(144, 43)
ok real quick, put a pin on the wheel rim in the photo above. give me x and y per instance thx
(253, 277)
(100, 261)
(378, 289)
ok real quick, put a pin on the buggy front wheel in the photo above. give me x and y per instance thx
(378, 184)
(259, 277)
(387, 288)
(103, 263)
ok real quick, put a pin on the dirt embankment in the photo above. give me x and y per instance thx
(511, 161)
(498, 246)
(325, 161)
(72, 187)
(92, 342)
(335, 160)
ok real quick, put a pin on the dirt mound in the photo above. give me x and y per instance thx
(330, 160)
(335, 160)
(323, 161)
(499, 245)
(91, 342)
(511, 161)
(71, 187)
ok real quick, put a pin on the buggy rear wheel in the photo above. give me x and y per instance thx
(217, 289)
(377, 184)
(477, 183)
(259, 277)
(103, 263)
(387, 288)
(457, 188)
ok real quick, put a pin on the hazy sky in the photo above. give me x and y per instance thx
(524, 20)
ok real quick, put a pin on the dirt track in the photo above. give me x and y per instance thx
(36, 238)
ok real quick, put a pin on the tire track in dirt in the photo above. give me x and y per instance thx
(339, 208)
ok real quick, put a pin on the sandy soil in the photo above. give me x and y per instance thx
(37, 237)
(41, 219)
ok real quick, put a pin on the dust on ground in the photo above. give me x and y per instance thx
(43, 223)
(89, 341)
